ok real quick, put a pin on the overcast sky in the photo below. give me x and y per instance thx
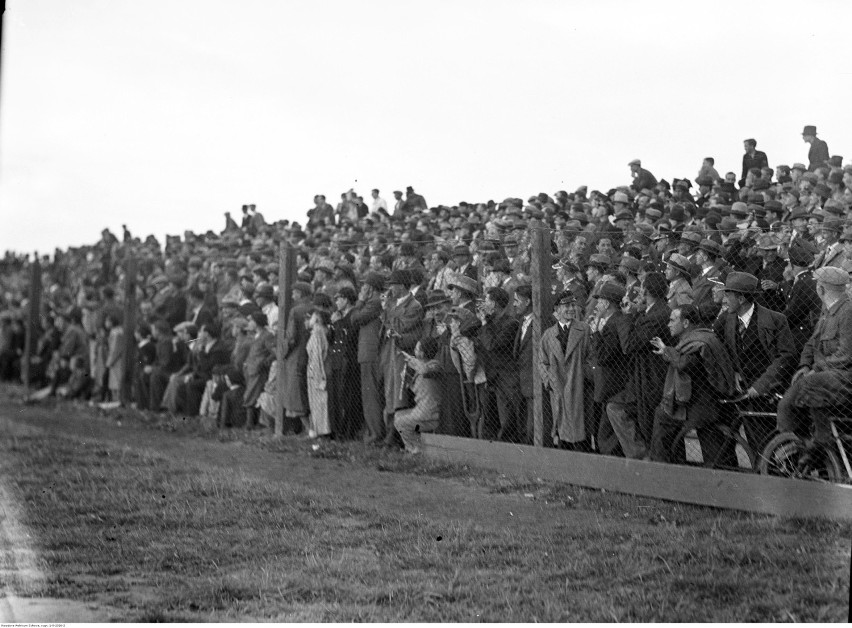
(165, 114)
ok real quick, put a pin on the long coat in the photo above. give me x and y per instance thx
(256, 367)
(115, 357)
(803, 308)
(296, 361)
(562, 374)
(406, 319)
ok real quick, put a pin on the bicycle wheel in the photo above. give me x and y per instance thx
(781, 457)
(745, 454)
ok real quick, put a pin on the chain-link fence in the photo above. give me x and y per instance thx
(701, 346)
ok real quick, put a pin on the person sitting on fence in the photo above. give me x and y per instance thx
(700, 372)
(424, 415)
(823, 382)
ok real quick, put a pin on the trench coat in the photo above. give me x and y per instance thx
(562, 375)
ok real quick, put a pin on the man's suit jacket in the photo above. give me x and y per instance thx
(497, 338)
(817, 154)
(523, 357)
(702, 292)
(366, 318)
(803, 308)
(774, 335)
(205, 316)
(406, 319)
(835, 258)
(609, 345)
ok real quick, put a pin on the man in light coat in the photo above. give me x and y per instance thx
(564, 349)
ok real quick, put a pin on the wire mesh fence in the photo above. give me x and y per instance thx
(639, 342)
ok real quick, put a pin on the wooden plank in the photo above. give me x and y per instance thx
(692, 485)
(286, 278)
(33, 328)
(126, 393)
(542, 309)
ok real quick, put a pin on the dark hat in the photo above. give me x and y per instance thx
(773, 206)
(802, 252)
(348, 293)
(832, 224)
(739, 209)
(744, 283)
(502, 266)
(833, 207)
(712, 218)
(835, 161)
(461, 249)
(677, 212)
(466, 318)
(566, 297)
(798, 212)
(823, 190)
(653, 213)
(611, 291)
(436, 298)
(401, 277)
(375, 281)
(264, 290)
(624, 215)
(304, 287)
(809, 130)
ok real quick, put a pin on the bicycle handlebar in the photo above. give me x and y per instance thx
(745, 397)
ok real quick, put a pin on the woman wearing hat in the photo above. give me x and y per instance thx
(679, 276)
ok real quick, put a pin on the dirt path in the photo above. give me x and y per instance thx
(352, 482)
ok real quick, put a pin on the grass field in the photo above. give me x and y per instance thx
(157, 539)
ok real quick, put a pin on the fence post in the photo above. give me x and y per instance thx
(33, 321)
(286, 276)
(129, 330)
(541, 308)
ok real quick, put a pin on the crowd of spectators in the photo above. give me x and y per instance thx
(408, 318)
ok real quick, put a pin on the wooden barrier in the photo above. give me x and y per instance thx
(691, 485)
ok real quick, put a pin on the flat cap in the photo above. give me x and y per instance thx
(832, 275)
(635, 162)
(464, 282)
(611, 291)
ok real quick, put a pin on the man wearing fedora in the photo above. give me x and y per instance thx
(803, 302)
(818, 152)
(761, 347)
(710, 257)
(463, 290)
(770, 272)
(822, 385)
(402, 327)
(609, 335)
(679, 275)
(564, 349)
(833, 253)
(366, 319)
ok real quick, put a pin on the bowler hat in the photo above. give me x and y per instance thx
(744, 283)
(677, 212)
(739, 209)
(823, 190)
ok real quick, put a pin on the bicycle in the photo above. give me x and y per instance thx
(782, 456)
(728, 434)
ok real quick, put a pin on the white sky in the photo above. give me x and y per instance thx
(165, 114)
